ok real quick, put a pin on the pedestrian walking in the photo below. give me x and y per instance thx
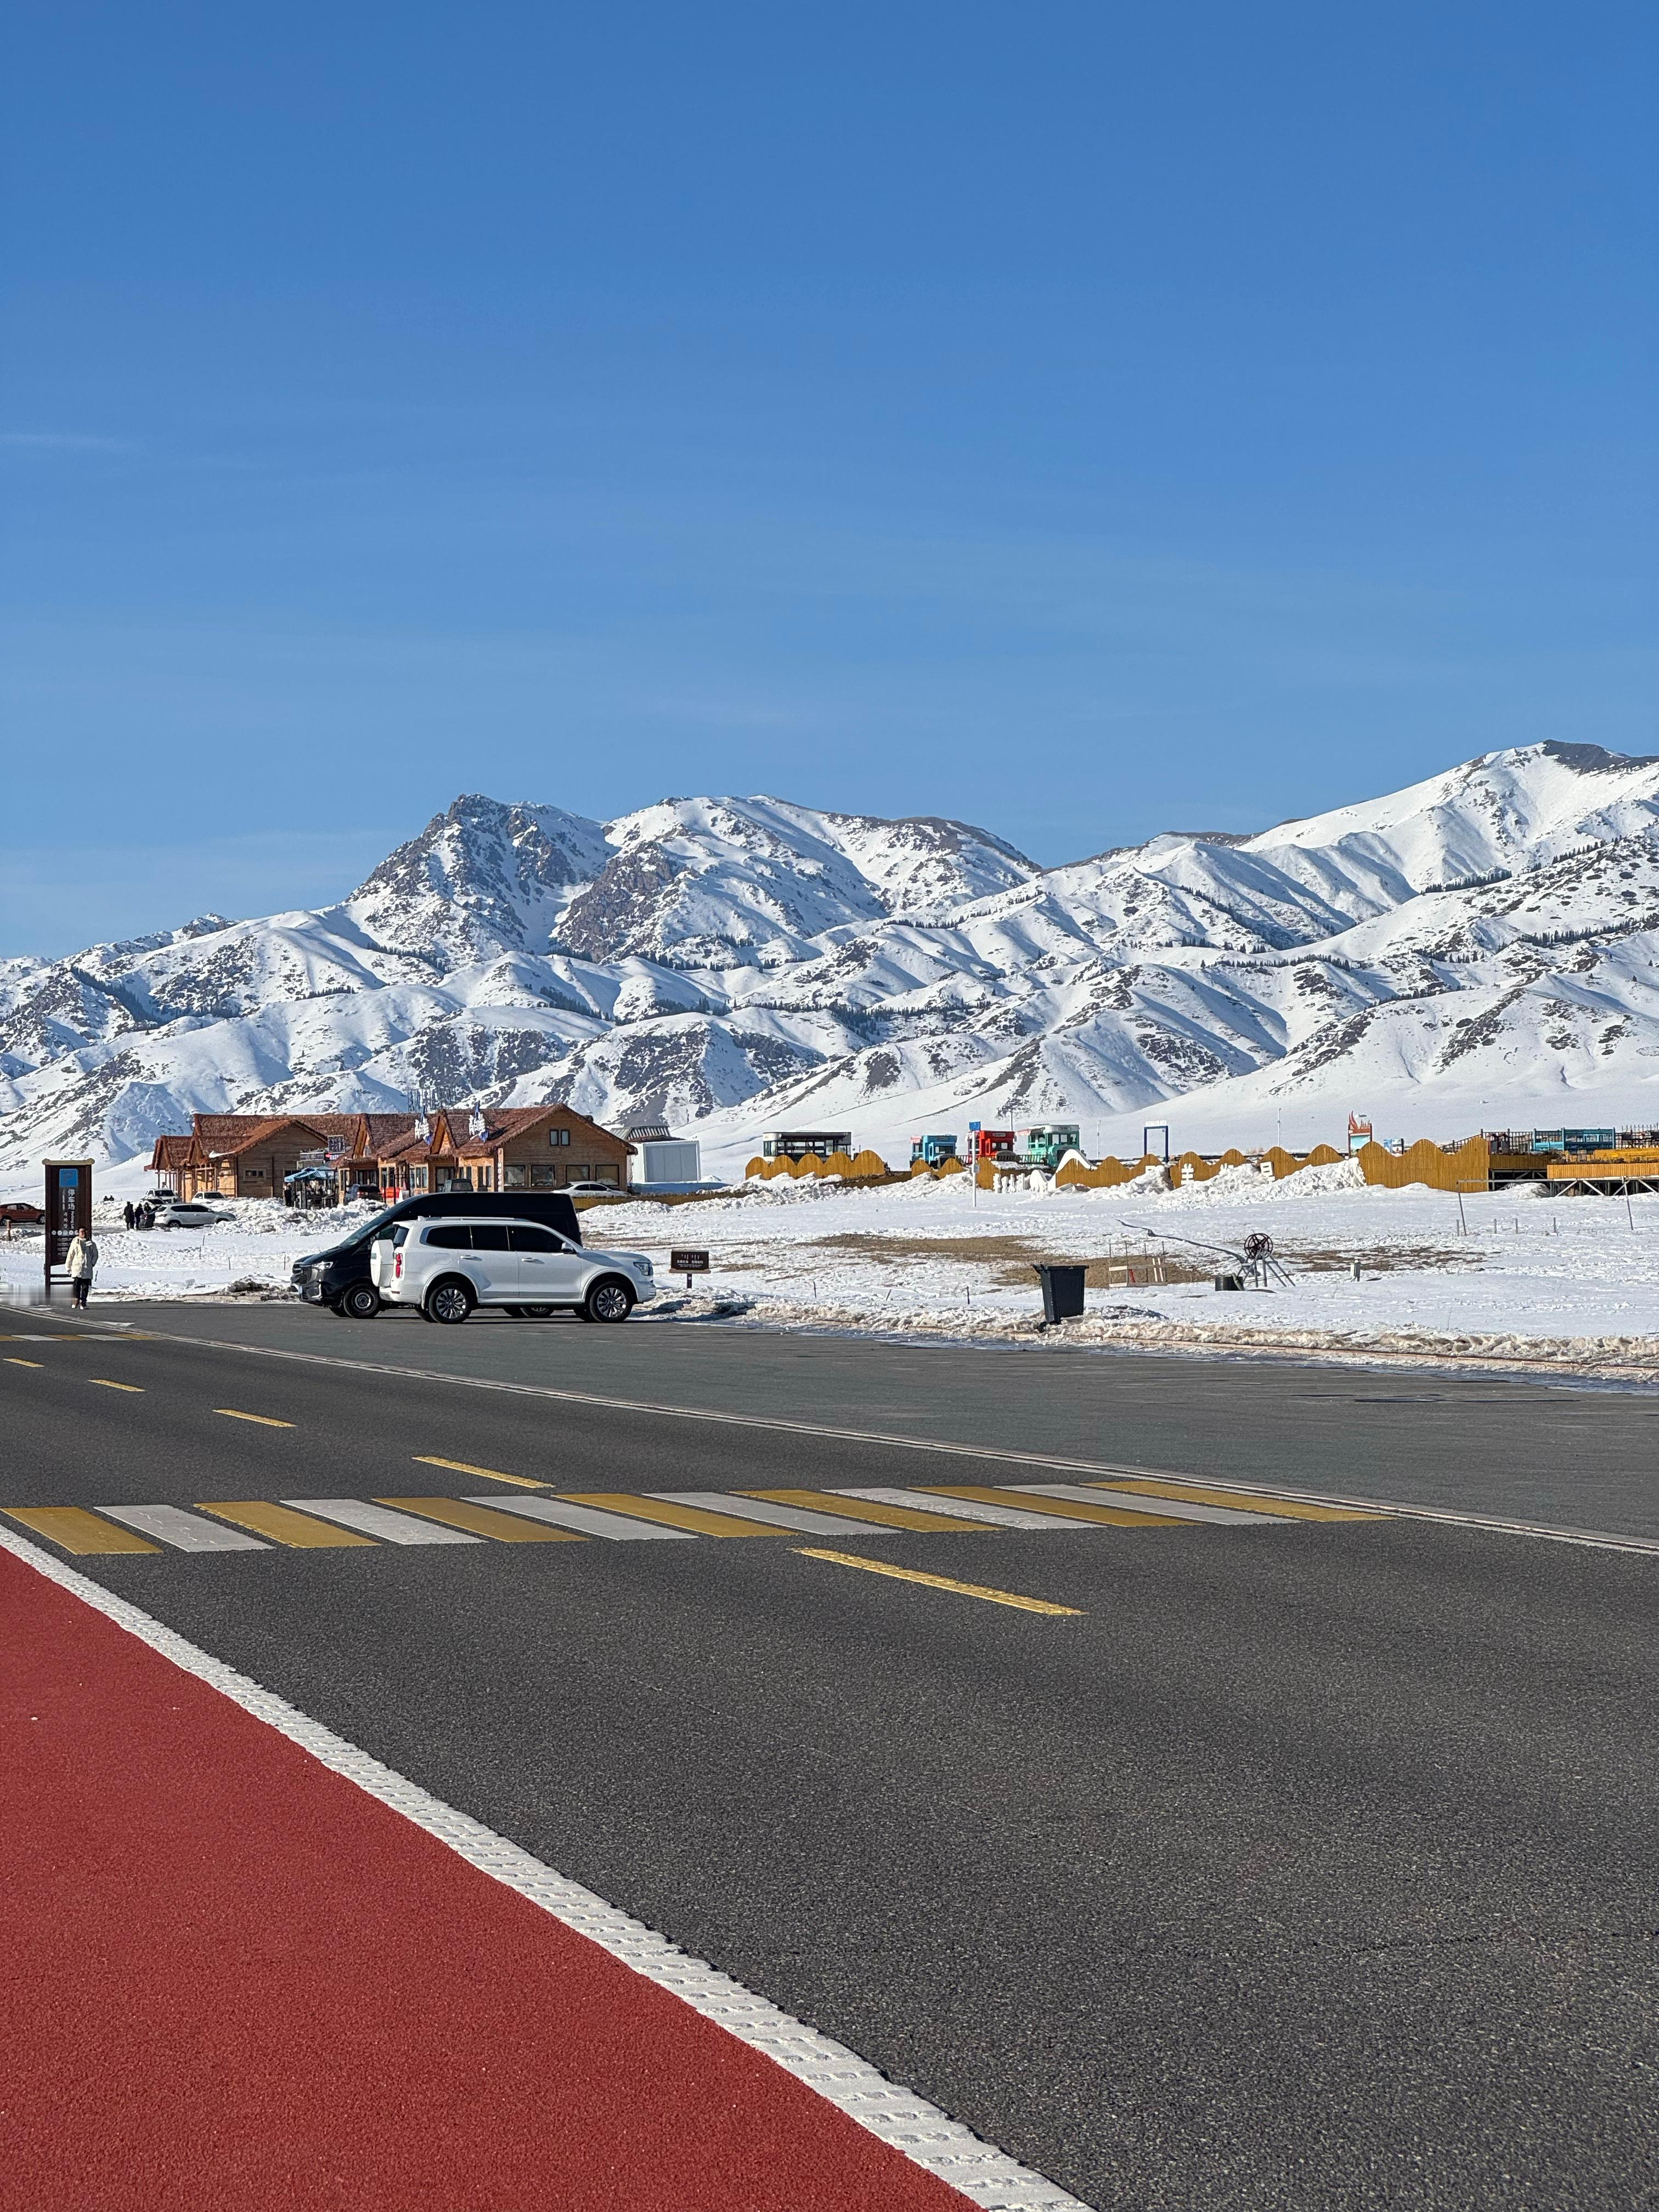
(129, 1213)
(83, 1260)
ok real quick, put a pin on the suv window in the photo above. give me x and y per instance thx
(452, 1236)
(490, 1237)
(400, 1235)
(534, 1240)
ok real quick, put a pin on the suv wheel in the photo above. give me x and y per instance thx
(451, 1300)
(360, 1303)
(609, 1299)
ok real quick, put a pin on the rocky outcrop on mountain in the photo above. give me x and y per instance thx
(1479, 947)
(482, 878)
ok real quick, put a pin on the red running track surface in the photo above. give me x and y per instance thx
(235, 1980)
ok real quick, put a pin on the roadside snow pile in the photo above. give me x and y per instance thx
(1155, 1183)
(1257, 1186)
(1621, 1359)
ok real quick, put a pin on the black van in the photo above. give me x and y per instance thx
(340, 1278)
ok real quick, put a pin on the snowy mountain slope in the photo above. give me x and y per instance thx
(1507, 810)
(1479, 947)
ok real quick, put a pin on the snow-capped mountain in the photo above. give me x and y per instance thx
(1479, 948)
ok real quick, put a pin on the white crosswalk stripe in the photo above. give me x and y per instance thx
(1162, 1509)
(965, 1509)
(801, 1517)
(181, 1531)
(589, 1520)
(380, 1521)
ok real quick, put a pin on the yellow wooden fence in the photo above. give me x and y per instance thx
(1441, 1167)
(860, 1167)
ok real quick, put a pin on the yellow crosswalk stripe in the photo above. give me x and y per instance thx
(301, 1532)
(1289, 1509)
(490, 1474)
(265, 1420)
(940, 1582)
(10, 1362)
(480, 1520)
(1063, 1509)
(76, 1530)
(673, 1516)
(866, 1509)
(103, 1383)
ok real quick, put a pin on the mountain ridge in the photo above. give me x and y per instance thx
(1480, 946)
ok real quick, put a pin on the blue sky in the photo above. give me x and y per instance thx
(1085, 420)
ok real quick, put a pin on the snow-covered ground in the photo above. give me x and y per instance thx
(1522, 1279)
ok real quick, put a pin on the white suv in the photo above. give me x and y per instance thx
(446, 1266)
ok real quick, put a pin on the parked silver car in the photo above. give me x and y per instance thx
(448, 1266)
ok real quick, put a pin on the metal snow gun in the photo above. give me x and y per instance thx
(1254, 1266)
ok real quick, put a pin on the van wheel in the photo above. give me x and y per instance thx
(360, 1303)
(535, 1312)
(609, 1299)
(513, 1313)
(451, 1300)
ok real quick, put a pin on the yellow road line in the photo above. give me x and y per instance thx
(76, 1530)
(10, 1362)
(301, 1532)
(941, 1582)
(675, 1517)
(1063, 1508)
(490, 1474)
(480, 1520)
(866, 1509)
(104, 1383)
(264, 1420)
(1290, 1509)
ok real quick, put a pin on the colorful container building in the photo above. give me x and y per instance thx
(993, 1145)
(804, 1144)
(1047, 1143)
(932, 1151)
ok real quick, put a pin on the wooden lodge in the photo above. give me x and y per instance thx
(392, 1156)
(505, 1148)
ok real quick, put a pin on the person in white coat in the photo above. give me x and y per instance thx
(82, 1264)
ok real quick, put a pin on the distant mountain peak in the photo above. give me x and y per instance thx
(1595, 760)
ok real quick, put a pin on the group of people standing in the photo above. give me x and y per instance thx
(138, 1217)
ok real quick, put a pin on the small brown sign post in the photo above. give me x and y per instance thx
(69, 1212)
(688, 1263)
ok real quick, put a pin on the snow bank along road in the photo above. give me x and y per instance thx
(1262, 1856)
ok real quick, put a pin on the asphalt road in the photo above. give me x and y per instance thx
(1306, 1864)
(1575, 1457)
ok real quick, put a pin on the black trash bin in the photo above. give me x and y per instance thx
(1062, 1292)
